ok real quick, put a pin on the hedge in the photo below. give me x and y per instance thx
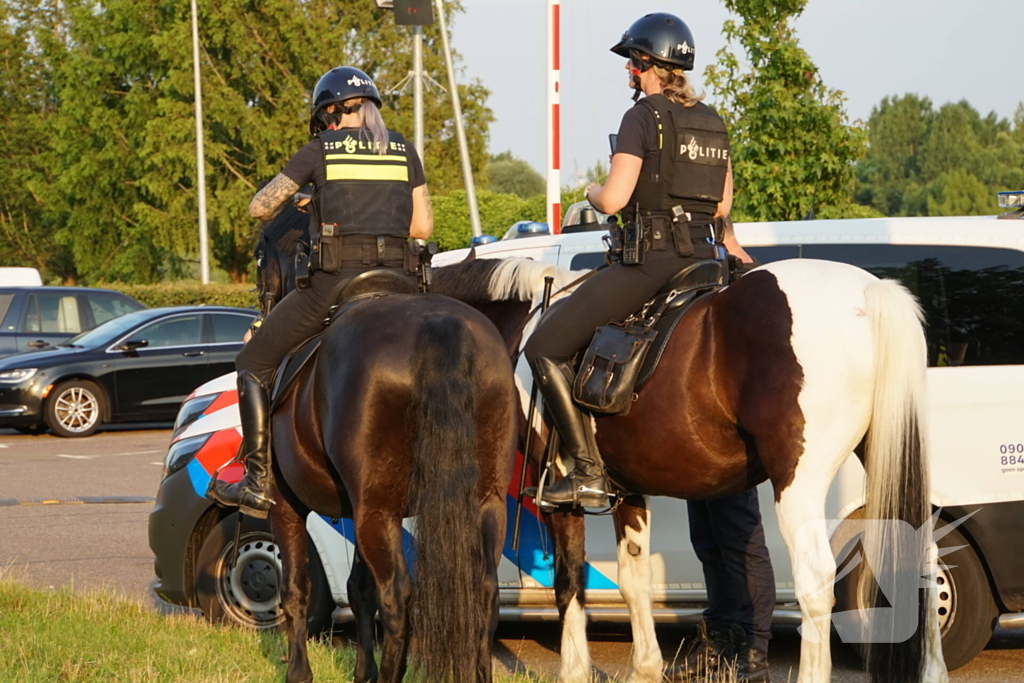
(187, 293)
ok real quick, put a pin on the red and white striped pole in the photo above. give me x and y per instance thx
(554, 137)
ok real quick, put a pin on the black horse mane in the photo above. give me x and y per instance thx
(285, 231)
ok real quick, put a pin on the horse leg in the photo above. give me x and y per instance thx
(492, 524)
(568, 534)
(362, 598)
(934, 670)
(289, 527)
(633, 537)
(801, 514)
(379, 539)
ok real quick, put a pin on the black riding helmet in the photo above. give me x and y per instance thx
(662, 36)
(337, 85)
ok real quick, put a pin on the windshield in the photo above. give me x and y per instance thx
(108, 331)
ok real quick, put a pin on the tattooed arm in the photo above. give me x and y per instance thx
(269, 201)
(422, 214)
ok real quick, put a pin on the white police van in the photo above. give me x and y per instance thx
(969, 275)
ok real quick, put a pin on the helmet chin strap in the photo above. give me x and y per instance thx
(637, 90)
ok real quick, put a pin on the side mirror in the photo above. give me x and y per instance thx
(133, 345)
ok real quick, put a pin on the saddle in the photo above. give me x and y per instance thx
(372, 284)
(619, 360)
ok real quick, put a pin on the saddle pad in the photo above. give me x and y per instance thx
(291, 365)
(666, 326)
(301, 354)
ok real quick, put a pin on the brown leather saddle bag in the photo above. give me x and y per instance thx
(610, 367)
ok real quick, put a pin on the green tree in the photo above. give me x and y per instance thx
(120, 76)
(897, 130)
(946, 162)
(792, 146)
(506, 173)
(27, 229)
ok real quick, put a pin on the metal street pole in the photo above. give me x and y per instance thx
(467, 170)
(204, 240)
(417, 86)
(554, 192)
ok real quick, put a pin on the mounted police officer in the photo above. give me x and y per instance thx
(671, 177)
(369, 197)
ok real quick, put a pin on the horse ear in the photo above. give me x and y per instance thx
(471, 256)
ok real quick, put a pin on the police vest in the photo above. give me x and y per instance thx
(691, 167)
(366, 193)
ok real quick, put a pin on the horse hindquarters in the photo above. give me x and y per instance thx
(447, 605)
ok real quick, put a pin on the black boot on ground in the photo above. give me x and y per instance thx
(751, 665)
(587, 485)
(709, 652)
(251, 495)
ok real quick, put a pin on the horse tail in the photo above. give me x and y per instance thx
(896, 461)
(446, 608)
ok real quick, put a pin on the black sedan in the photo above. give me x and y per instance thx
(138, 367)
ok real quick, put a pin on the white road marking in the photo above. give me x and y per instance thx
(5, 445)
(156, 463)
(106, 455)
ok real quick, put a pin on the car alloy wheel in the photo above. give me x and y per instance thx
(74, 408)
(77, 409)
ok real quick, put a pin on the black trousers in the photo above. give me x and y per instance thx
(296, 318)
(729, 540)
(612, 294)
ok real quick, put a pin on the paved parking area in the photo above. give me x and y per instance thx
(67, 517)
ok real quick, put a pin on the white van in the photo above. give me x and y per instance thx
(969, 275)
(20, 277)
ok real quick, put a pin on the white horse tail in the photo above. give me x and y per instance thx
(896, 461)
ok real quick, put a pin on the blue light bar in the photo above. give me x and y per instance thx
(533, 228)
(483, 239)
(1011, 200)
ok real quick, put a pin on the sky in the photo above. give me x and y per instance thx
(869, 49)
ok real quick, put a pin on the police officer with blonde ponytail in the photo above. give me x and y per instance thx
(671, 178)
(369, 197)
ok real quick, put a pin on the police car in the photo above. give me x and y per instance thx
(969, 275)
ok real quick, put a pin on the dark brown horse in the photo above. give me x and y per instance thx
(780, 376)
(408, 410)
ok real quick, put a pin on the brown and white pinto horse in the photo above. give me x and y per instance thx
(780, 376)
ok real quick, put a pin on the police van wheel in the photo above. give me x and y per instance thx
(966, 610)
(247, 593)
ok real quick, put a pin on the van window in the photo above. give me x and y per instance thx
(107, 307)
(5, 305)
(973, 297)
(53, 313)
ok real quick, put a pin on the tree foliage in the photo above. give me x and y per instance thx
(946, 162)
(106, 135)
(508, 174)
(792, 145)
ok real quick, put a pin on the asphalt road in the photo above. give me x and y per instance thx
(59, 533)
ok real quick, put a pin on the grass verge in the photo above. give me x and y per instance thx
(51, 636)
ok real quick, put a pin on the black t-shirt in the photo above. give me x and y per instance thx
(638, 133)
(307, 165)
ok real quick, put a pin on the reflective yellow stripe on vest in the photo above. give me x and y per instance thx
(380, 167)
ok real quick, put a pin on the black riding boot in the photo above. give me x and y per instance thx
(587, 485)
(251, 494)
